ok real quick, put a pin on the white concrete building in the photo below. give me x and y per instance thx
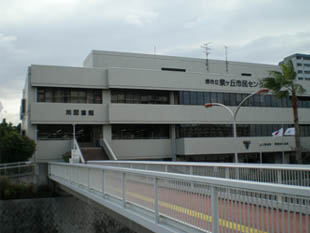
(151, 107)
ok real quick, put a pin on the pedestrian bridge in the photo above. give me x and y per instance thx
(175, 197)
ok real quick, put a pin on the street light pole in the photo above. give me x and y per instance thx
(234, 114)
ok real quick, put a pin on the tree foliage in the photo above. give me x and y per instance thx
(13, 146)
(282, 84)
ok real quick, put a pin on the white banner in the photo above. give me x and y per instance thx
(278, 133)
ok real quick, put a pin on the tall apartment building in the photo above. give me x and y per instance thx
(301, 64)
(151, 107)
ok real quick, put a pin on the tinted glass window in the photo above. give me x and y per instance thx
(140, 131)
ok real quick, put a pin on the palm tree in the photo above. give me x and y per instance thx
(282, 84)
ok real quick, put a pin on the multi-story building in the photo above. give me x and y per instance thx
(301, 63)
(151, 107)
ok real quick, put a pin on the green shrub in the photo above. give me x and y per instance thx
(10, 190)
(66, 156)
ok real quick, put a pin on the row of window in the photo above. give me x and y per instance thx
(125, 131)
(69, 95)
(234, 99)
(305, 72)
(76, 112)
(54, 132)
(303, 57)
(139, 96)
(140, 131)
(300, 64)
(94, 96)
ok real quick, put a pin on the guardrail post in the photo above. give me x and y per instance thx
(102, 183)
(237, 173)
(88, 179)
(227, 172)
(214, 206)
(156, 199)
(279, 176)
(191, 173)
(124, 189)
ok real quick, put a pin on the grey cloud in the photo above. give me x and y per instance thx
(44, 33)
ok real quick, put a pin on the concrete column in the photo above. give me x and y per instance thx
(285, 158)
(106, 129)
(107, 133)
(278, 158)
(106, 96)
(173, 142)
(171, 97)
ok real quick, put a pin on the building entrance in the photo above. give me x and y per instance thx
(88, 135)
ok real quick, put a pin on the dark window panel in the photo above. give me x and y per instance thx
(68, 95)
(54, 132)
(140, 131)
(200, 98)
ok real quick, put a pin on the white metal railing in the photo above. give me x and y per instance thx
(206, 204)
(17, 169)
(76, 154)
(107, 148)
(269, 173)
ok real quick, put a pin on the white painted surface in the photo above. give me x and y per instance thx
(174, 114)
(55, 113)
(191, 146)
(142, 149)
(62, 76)
(52, 149)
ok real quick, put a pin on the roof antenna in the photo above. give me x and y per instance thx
(155, 50)
(226, 57)
(206, 48)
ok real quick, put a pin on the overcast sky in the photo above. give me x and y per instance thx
(63, 32)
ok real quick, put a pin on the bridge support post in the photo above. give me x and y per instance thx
(214, 206)
(156, 199)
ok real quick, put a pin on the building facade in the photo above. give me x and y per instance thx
(151, 107)
(301, 63)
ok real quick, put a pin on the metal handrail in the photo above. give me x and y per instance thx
(15, 163)
(77, 148)
(103, 143)
(298, 175)
(169, 196)
(241, 184)
(17, 169)
(211, 164)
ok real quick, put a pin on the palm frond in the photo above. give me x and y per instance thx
(299, 89)
(288, 70)
(271, 83)
(281, 94)
(282, 84)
